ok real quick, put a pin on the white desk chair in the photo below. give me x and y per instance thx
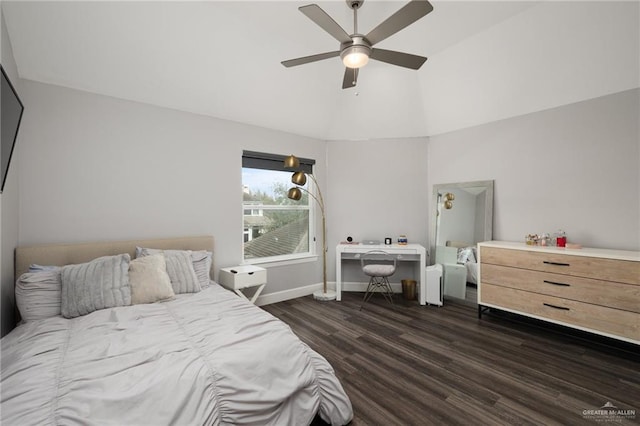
(379, 266)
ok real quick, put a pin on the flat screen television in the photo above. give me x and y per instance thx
(10, 116)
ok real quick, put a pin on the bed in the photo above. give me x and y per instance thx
(196, 358)
(466, 256)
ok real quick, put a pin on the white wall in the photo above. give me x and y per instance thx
(98, 168)
(574, 167)
(555, 53)
(9, 217)
(377, 189)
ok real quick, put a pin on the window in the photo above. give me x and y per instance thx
(274, 227)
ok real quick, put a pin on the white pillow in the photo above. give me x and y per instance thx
(201, 260)
(38, 294)
(149, 279)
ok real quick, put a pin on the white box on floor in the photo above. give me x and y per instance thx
(434, 284)
(238, 277)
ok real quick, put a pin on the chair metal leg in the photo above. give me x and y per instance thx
(369, 292)
(381, 284)
(387, 290)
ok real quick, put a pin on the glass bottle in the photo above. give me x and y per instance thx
(561, 238)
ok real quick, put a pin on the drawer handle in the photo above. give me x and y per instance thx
(555, 283)
(555, 263)
(556, 307)
(250, 273)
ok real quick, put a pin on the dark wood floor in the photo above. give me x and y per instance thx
(415, 365)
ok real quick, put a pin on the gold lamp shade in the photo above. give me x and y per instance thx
(299, 178)
(448, 200)
(294, 194)
(291, 162)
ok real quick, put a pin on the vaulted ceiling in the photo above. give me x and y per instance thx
(222, 59)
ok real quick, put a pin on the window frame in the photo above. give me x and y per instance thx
(275, 162)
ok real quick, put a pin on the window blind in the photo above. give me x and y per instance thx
(261, 160)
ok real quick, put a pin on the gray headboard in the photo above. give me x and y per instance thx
(66, 254)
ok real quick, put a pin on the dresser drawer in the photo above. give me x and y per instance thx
(570, 312)
(581, 266)
(597, 292)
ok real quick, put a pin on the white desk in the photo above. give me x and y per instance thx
(402, 253)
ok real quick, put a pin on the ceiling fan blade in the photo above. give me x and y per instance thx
(326, 22)
(406, 60)
(312, 58)
(404, 17)
(350, 78)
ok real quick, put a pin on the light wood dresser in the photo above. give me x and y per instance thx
(594, 290)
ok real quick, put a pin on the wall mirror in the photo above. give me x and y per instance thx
(461, 217)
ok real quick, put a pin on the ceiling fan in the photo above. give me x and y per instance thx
(356, 49)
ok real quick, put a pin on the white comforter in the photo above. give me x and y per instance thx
(206, 358)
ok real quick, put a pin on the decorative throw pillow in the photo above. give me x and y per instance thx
(100, 284)
(465, 255)
(180, 270)
(201, 265)
(34, 267)
(38, 294)
(149, 279)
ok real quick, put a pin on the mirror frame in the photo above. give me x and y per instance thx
(488, 210)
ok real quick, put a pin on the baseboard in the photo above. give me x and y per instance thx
(294, 293)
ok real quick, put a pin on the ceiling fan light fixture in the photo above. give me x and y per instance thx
(355, 56)
(356, 49)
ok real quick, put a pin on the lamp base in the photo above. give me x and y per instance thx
(323, 297)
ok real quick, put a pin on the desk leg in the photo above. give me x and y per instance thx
(338, 275)
(423, 278)
(423, 291)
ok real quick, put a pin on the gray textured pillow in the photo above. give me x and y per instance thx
(100, 284)
(180, 270)
(38, 294)
(181, 278)
(149, 279)
(202, 265)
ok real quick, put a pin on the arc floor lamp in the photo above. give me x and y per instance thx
(295, 193)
